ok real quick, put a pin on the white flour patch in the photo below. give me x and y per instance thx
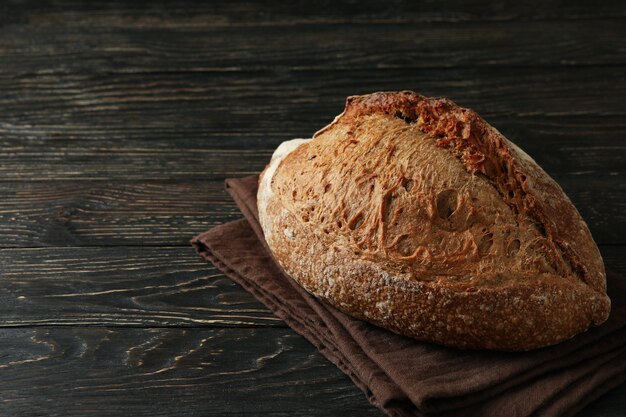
(265, 187)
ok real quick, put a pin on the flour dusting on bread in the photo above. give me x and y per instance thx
(265, 186)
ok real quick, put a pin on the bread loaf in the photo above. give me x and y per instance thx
(416, 215)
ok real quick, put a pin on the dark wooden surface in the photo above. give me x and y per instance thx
(120, 120)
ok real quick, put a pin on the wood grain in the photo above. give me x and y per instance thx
(266, 103)
(190, 13)
(135, 287)
(159, 372)
(126, 127)
(575, 151)
(81, 213)
(121, 286)
(265, 128)
(141, 46)
(153, 213)
(165, 372)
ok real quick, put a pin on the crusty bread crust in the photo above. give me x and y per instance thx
(416, 215)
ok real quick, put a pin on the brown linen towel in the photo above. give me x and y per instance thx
(405, 377)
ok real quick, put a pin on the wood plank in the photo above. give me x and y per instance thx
(110, 213)
(152, 213)
(593, 151)
(135, 47)
(590, 139)
(205, 372)
(284, 104)
(121, 286)
(136, 286)
(102, 127)
(164, 372)
(190, 13)
(265, 128)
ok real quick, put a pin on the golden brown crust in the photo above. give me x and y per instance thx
(416, 215)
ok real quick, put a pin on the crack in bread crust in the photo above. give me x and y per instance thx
(416, 215)
(483, 149)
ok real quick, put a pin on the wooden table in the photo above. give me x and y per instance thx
(119, 122)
